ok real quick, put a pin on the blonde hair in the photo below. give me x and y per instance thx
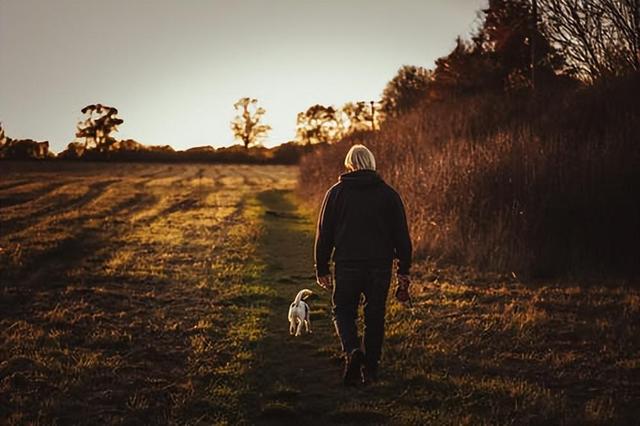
(359, 158)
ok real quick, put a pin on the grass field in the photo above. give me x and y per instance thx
(154, 294)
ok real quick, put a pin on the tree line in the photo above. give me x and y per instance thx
(95, 134)
(528, 46)
(521, 46)
(518, 151)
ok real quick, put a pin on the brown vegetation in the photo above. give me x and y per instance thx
(155, 294)
(541, 186)
(507, 161)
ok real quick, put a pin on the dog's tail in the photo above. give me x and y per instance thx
(302, 294)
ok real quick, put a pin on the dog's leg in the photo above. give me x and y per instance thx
(292, 327)
(307, 324)
(299, 330)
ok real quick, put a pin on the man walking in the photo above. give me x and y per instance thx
(363, 224)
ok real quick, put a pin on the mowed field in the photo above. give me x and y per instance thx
(158, 294)
(118, 287)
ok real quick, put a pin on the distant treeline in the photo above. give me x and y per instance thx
(23, 149)
(130, 150)
(95, 141)
(516, 157)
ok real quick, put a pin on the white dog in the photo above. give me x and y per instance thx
(299, 313)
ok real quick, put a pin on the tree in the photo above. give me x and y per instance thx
(96, 129)
(504, 54)
(362, 115)
(3, 137)
(511, 37)
(598, 37)
(74, 151)
(466, 70)
(319, 124)
(246, 126)
(406, 89)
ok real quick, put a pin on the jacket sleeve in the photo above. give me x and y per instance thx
(324, 235)
(401, 238)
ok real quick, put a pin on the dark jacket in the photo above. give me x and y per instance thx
(364, 220)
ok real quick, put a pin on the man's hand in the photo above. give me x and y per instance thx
(402, 291)
(326, 282)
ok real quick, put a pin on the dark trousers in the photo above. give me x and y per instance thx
(350, 283)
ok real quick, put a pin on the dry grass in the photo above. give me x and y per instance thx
(118, 289)
(538, 189)
(542, 186)
(161, 299)
(475, 349)
(487, 349)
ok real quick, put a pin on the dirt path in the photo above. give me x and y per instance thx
(298, 379)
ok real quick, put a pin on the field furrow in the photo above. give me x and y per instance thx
(117, 298)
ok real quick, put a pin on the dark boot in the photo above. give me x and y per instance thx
(369, 373)
(352, 366)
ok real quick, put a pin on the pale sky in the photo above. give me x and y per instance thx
(175, 68)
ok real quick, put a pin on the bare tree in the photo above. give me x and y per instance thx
(597, 37)
(625, 18)
(246, 126)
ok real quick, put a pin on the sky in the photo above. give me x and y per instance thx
(175, 68)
